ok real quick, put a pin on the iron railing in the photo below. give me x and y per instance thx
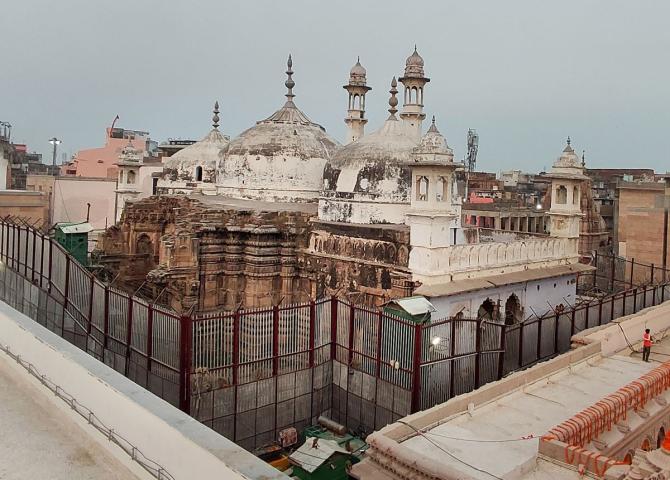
(251, 373)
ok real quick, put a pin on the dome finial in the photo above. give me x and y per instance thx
(568, 140)
(289, 81)
(215, 118)
(433, 127)
(583, 158)
(393, 101)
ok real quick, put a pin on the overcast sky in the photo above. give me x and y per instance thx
(525, 74)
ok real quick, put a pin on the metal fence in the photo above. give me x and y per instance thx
(248, 374)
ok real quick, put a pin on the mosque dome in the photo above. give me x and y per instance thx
(369, 180)
(280, 158)
(197, 162)
(414, 65)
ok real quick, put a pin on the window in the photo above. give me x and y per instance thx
(575, 195)
(421, 188)
(198, 174)
(562, 195)
(131, 176)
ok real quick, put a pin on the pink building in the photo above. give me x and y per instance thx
(100, 162)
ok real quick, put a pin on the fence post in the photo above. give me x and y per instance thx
(558, 318)
(275, 340)
(66, 293)
(478, 351)
(572, 321)
(452, 362)
(652, 273)
(129, 337)
(539, 338)
(612, 309)
(333, 327)
(150, 343)
(32, 263)
(632, 266)
(90, 311)
(501, 355)
(352, 314)
(623, 304)
(380, 317)
(612, 274)
(416, 369)
(185, 362)
(312, 324)
(105, 324)
(644, 297)
(51, 261)
(634, 300)
(521, 344)
(25, 257)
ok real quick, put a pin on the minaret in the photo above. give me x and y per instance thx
(414, 82)
(357, 88)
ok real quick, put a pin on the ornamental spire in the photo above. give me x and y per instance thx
(393, 101)
(215, 117)
(289, 81)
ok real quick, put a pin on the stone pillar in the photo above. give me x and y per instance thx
(497, 223)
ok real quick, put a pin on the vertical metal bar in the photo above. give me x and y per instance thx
(623, 311)
(352, 314)
(275, 340)
(612, 274)
(333, 327)
(42, 261)
(416, 369)
(236, 364)
(380, 318)
(652, 273)
(452, 362)
(634, 300)
(558, 319)
(572, 321)
(612, 309)
(521, 344)
(150, 343)
(25, 259)
(312, 324)
(501, 355)
(51, 261)
(129, 337)
(66, 293)
(632, 266)
(32, 270)
(186, 359)
(539, 338)
(478, 351)
(105, 324)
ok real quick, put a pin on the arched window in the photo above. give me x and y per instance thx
(660, 437)
(575, 195)
(131, 176)
(562, 195)
(144, 245)
(512, 310)
(441, 192)
(120, 176)
(198, 173)
(421, 188)
(486, 310)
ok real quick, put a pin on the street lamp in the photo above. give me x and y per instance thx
(55, 142)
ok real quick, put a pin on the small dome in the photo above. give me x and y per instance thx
(414, 65)
(358, 70)
(357, 74)
(568, 158)
(204, 153)
(433, 142)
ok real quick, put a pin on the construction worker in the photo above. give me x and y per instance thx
(646, 345)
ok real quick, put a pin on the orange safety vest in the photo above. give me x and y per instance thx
(646, 340)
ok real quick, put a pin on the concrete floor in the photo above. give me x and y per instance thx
(39, 441)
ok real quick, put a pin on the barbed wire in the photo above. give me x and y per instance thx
(152, 467)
